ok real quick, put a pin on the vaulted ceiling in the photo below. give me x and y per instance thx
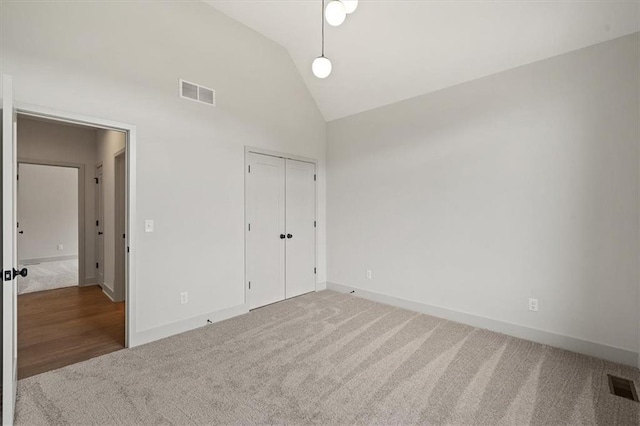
(387, 51)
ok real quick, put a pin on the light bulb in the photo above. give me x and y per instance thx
(321, 67)
(335, 13)
(350, 5)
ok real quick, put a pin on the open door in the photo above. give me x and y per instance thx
(9, 255)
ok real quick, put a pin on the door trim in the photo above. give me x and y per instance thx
(82, 255)
(131, 335)
(256, 150)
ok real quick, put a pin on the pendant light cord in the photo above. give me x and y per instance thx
(322, 15)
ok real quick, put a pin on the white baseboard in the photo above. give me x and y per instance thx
(47, 259)
(598, 350)
(157, 333)
(321, 286)
(106, 290)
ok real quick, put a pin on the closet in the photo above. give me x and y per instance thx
(281, 225)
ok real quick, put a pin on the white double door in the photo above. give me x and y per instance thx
(281, 237)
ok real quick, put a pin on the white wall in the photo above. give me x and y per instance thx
(109, 143)
(46, 141)
(47, 212)
(477, 197)
(69, 56)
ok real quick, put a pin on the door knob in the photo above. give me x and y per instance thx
(22, 272)
(282, 236)
(289, 236)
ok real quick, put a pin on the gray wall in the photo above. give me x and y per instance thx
(47, 212)
(477, 197)
(190, 157)
(47, 141)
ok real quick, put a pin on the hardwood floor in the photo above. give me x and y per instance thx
(65, 326)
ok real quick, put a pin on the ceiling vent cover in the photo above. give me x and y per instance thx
(197, 93)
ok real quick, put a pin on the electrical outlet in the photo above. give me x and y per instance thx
(369, 274)
(60, 247)
(184, 297)
(533, 305)
(148, 225)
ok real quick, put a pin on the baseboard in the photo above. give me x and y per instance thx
(47, 259)
(598, 350)
(106, 290)
(167, 330)
(321, 286)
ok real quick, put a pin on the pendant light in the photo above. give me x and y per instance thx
(350, 5)
(321, 66)
(335, 13)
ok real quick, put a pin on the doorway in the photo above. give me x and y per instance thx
(50, 233)
(67, 315)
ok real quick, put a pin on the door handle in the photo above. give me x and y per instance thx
(289, 236)
(22, 272)
(99, 233)
(20, 232)
(282, 236)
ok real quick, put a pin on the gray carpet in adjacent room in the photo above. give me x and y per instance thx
(331, 358)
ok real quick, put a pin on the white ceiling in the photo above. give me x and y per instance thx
(387, 50)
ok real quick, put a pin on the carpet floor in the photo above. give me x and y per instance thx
(49, 276)
(331, 358)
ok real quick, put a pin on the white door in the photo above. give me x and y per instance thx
(265, 229)
(99, 227)
(301, 231)
(9, 254)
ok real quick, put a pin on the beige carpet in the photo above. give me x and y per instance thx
(330, 358)
(49, 276)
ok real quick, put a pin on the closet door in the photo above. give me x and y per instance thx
(265, 230)
(301, 232)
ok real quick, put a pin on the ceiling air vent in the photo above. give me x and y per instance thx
(197, 93)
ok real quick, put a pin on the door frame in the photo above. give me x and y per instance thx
(262, 151)
(82, 279)
(119, 253)
(130, 196)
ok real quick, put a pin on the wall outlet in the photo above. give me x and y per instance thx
(184, 297)
(148, 225)
(60, 247)
(533, 305)
(369, 274)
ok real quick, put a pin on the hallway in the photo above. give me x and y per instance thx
(65, 326)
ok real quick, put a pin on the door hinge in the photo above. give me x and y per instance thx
(314, 224)
(97, 223)
(249, 285)
(249, 227)
(249, 168)
(314, 270)
(97, 265)
(127, 249)
(314, 178)
(96, 180)
(8, 276)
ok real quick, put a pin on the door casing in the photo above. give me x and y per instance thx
(130, 130)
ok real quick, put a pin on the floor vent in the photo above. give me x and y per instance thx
(197, 93)
(622, 387)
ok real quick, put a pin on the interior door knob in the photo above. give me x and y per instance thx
(289, 236)
(282, 236)
(22, 272)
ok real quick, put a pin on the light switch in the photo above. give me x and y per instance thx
(148, 226)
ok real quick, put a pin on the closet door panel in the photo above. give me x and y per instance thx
(265, 223)
(301, 232)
